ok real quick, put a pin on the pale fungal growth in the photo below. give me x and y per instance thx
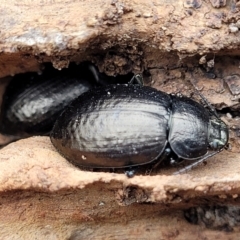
(237, 24)
(229, 115)
(202, 60)
(210, 63)
(233, 28)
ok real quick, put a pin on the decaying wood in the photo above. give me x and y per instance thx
(38, 166)
(176, 44)
(38, 185)
(119, 36)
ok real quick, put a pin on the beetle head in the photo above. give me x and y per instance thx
(217, 134)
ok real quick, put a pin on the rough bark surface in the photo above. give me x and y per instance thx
(44, 196)
(120, 36)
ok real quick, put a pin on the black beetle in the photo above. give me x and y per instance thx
(124, 126)
(32, 102)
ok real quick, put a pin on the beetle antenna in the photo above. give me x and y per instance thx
(212, 109)
(195, 164)
(138, 78)
(97, 76)
(94, 72)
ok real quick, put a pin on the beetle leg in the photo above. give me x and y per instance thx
(94, 72)
(138, 79)
(176, 161)
(98, 78)
(195, 164)
(163, 157)
(130, 172)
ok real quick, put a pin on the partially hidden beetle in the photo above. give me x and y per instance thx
(32, 102)
(124, 126)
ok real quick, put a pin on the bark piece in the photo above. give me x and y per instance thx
(107, 31)
(38, 185)
(38, 166)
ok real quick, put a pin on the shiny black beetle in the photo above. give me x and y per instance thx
(32, 102)
(123, 126)
(33, 108)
